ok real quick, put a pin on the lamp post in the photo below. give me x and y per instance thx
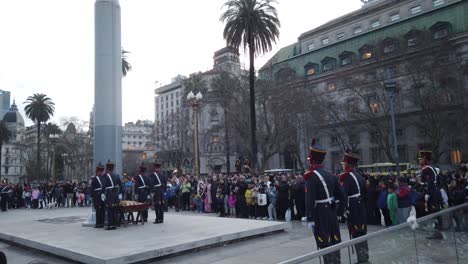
(391, 90)
(53, 138)
(194, 100)
(65, 158)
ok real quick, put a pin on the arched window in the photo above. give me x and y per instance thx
(346, 58)
(440, 30)
(390, 45)
(328, 64)
(367, 52)
(311, 69)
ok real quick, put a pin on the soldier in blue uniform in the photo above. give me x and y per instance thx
(431, 180)
(142, 188)
(354, 188)
(432, 195)
(97, 191)
(112, 189)
(322, 193)
(158, 187)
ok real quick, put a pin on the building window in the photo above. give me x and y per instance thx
(340, 36)
(390, 45)
(357, 30)
(440, 33)
(325, 41)
(394, 17)
(413, 41)
(215, 139)
(346, 58)
(415, 9)
(311, 69)
(437, 3)
(177, 94)
(328, 64)
(331, 86)
(352, 105)
(375, 24)
(413, 38)
(311, 46)
(440, 30)
(367, 52)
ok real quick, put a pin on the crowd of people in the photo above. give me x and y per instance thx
(266, 197)
(39, 196)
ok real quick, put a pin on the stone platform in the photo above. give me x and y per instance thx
(59, 232)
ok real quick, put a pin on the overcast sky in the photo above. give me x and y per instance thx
(47, 46)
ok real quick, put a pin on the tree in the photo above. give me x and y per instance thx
(126, 66)
(433, 89)
(5, 135)
(195, 83)
(39, 108)
(253, 24)
(50, 129)
(225, 90)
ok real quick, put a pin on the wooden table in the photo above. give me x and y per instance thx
(129, 210)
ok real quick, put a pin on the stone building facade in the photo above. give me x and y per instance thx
(347, 61)
(174, 120)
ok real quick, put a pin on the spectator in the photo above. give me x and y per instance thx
(272, 197)
(283, 197)
(232, 204)
(404, 200)
(392, 205)
(186, 190)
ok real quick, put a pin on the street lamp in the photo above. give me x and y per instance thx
(391, 90)
(194, 100)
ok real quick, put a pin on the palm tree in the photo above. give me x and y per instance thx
(39, 108)
(5, 135)
(253, 24)
(126, 66)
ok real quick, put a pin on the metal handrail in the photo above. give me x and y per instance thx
(354, 241)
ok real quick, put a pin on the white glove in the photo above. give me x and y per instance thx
(103, 197)
(311, 225)
(340, 218)
(346, 214)
(120, 196)
(149, 197)
(426, 197)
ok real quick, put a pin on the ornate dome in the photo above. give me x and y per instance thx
(13, 116)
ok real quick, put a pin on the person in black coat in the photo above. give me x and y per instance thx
(113, 188)
(142, 188)
(299, 197)
(158, 188)
(354, 188)
(97, 191)
(322, 194)
(283, 197)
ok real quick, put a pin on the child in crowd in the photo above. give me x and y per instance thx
(232, 204)
(249, 200)
(392, 204)
(198, 203)
(272, 197)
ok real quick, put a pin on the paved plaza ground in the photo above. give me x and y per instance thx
(62, 226)
(272, 248)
